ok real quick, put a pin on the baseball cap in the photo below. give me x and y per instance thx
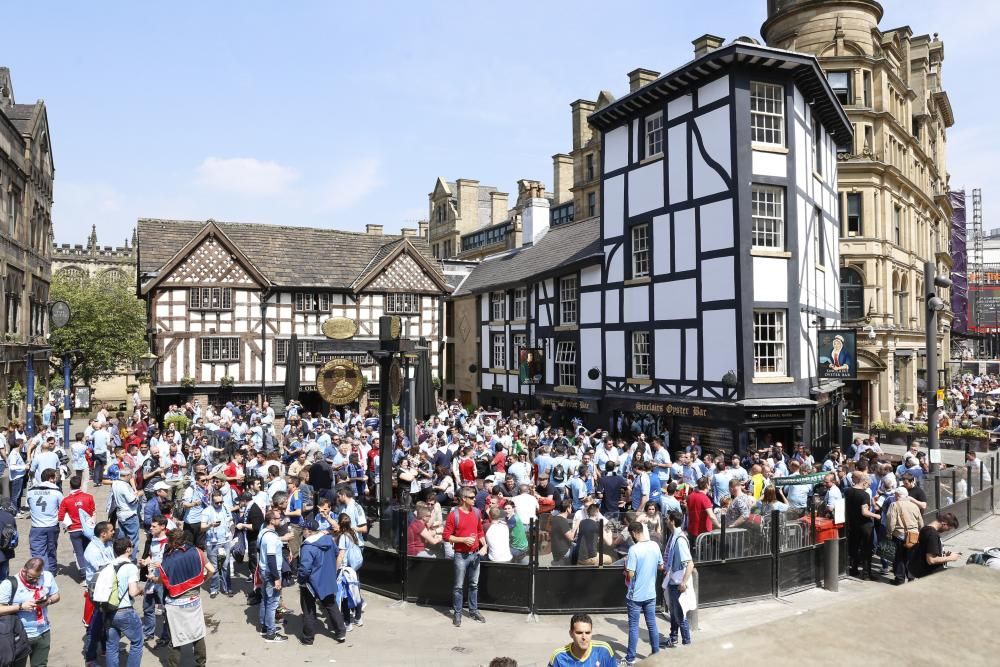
(161, 486)
(312, 525)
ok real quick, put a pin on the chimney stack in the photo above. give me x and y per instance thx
(498, 207)
(423, 226)
(374, 230)
(706, 44)
(562, 167)
(408, 232)
(535, 217)
(638, 78)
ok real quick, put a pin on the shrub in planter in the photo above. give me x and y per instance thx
(180, 422)
(920, 429)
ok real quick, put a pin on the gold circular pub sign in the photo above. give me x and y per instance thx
(340, 382)
(340, 328)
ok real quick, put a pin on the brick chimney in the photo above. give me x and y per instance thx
(374, 230)
(706, 44)
(638, 78)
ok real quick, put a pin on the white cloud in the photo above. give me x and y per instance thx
(350, 185)
(246, 176)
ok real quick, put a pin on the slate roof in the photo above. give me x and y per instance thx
(288, 256)
(560, 246)
(22, 116)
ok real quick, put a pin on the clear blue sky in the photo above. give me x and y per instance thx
(337, 114)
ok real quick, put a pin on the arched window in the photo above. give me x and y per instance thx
(73, 274)
(852, 294)
(112, 276)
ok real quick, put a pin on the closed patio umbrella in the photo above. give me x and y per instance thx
(292, 370)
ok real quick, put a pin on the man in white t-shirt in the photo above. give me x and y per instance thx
(526, 505)
(125, 622)
(498, 538)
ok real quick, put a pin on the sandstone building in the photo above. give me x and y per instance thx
(892, 185)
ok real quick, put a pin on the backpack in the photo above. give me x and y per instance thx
(107, 592)
(9, 538)
(13, 639)
(353, 558)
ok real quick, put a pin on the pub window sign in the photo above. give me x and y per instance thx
(531, 366)
(837, 350)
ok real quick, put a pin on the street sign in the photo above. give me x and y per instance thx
(59, 314)
(812, 478)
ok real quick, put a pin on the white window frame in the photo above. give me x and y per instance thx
(498, 306)
(520, 304)
(565, 363)
(767, 113)
(568, 300)
(499, 350)
(770, 347)
(640, 355)
(654, 134)
(640, 251)
(402, 303)
(767, 204)
(210, 298)
(220, 349)
(518, 341)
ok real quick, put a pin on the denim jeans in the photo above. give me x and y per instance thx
(645, 608)
(42, 543)
(677, 616)
(16, 487)
(100, 460)
(221, 563)
(153, 597)
(466, 569)
(125, 623)
(129, 527)
(269, 606)
(79, 542)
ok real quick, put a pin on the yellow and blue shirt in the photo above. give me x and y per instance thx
(600, 654)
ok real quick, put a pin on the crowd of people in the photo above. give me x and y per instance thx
(212, 494)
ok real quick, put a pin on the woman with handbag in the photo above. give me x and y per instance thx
(905, 522)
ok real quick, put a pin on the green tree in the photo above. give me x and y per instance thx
(107, 327)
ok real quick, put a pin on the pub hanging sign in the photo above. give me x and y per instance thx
(837, 351)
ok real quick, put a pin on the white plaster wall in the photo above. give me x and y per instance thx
(615, 353)
(713, 90)
(675, 300)
(676, 156)
(691, 353)
(770, 279)
(645, 188)
(611, 300)
(637, 303)
(668, 354)
(616, 271)
(717, 225)
(590, 357)
(684, 240)
(661, 245)
(719, 335)
(718, 280)
(616, 148)
(590, 308)
(766, 163)
(590, 275)
(614, 205)
(678, 107)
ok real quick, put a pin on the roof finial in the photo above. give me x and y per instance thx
(92, 241)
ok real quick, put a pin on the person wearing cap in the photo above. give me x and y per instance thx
(126, 505)
(161, 494)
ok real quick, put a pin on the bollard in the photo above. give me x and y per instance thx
(692, 616)
(831, 565)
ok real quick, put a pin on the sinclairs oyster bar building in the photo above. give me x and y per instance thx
(692, 304)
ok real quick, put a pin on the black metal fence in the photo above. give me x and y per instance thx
(771, 557)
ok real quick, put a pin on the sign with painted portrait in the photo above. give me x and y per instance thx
(530, 365)
(838, 354)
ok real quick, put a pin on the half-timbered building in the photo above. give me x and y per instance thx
(223, 300)
(692, 306)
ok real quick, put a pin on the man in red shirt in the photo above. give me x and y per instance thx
(70, 506)
(234, 471)
(464, 530)
(466, 467)
(701, 518)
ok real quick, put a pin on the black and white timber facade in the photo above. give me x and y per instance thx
(692, 304)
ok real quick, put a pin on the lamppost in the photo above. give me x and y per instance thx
(934, 304)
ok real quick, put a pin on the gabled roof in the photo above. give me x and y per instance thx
(560, 247)
(286, 256)
(209, 230)
(387, 254)
(809, 77)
